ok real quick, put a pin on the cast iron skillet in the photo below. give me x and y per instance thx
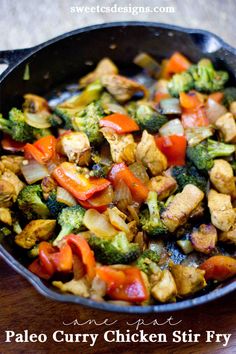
(66, 58)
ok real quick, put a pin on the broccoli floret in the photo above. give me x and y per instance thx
(180, 83)
(117, 251)
(229, 96)
(30, 203)
(147, 262)
(71, 220)
(188, 175)
(40, 133)
(200, 157)
(218, 149)
(53, 205)
(206, 78)
(66, 114)
(87, 121)
(148, 119)
(16, 126)
(150, 218)
(55, 120)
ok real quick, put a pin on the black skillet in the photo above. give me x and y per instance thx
(68, 57)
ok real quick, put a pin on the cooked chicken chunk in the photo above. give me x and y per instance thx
(229, 236)
(10, 177)
(222, 213)
(151, 157)
(227, 126)
(48, 184)
(204, 238)
(35, 104)
(188, 280)
(12, 163)
(104, 67)
(222, 177)
(77, 287)
(121, 88)
(76, 147)
(163, 185)
(232, 108)
(122, 147)
(7, 193)
(36, 230)
(182, 205)
(5, 216)
(165, 289)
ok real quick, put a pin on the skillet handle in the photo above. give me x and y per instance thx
(11, 58)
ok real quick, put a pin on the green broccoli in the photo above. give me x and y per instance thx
(71, 220)
(148, 119)
(202, 155)
(16, 126)
(40, 133)
(188, 175)
(87, 121)
(206, 78)
(147, 262)
(117, 251)
(4, 232)
(66, 114)
(229, 96)
(30, 203)
(55, 120)
(53, 205)
(150, 218)
(180, 83)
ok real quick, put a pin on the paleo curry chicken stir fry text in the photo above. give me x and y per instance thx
(124, 191)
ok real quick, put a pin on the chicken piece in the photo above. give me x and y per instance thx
(198, 212)
(36, 230)
(122, 88)
(165, 289)
(11, 163)
(104, 67)
(5, 216)
(204, 238)
(76, 147)
(181, 207)
(222, 177)
(10, 177)
(163, 185)
(188, 280)
(232, 108)
(222, 213)
(35, 104)
(229, 236)
(122, 146)
(7, 193)
(48, 184)
(77, 287)
(227, 126)
(151, 157)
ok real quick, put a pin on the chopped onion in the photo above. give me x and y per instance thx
(139, 171)
(214, 110)
(33, 171)
(38, 120)
(145, 61)
(198, 134)
(98, 224)
(114, 108)
(102, 198)
(63, 196)
(173, 127)
(170, 106)
(186, 246)
(122, 195)
(117, 221)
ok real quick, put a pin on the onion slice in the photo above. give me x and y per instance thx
(33, 171)
(38, 120)
(214, 110)
(173, 127)
(63, 196)
(170, 106)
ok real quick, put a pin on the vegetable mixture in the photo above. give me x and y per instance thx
(124, 189)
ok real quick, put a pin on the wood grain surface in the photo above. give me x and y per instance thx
(21, 307)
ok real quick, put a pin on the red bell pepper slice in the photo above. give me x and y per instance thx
(81, 247)
(219, 268)
(77, 184)
(173, 147)
(193, 110)
(121, 123)
(121, 172)
(126, 284)
(36, 268)
(43, 150)
(9, 144)
(177, 63)
(63, 260)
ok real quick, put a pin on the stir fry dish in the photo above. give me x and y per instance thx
(122, 188)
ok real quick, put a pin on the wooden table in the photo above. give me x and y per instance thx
(21, 307)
